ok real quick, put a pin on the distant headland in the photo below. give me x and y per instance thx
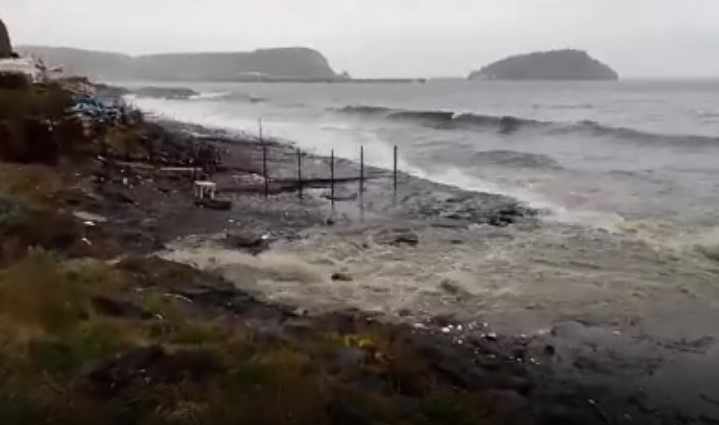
(292, 63)
(553, 65)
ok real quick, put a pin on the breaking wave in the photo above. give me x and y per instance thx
(510, 124)
(228, 96)
(508, 158)
(211, 96)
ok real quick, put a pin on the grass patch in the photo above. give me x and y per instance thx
(69, 351)
(207, 368)
(37, 101)
(35, 292)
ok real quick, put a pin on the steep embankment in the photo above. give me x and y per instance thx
(5, 46)
(286, 63)
(553, 65)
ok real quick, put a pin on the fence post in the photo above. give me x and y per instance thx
(394, 174)
(332, 178)
(361, 187)
(299, 173)
(264, 161)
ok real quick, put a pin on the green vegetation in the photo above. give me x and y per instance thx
(31, 213)
(65, 363)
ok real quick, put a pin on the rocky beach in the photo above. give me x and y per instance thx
(124, 302)
(396, 261)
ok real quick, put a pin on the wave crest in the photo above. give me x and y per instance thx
(507, 125)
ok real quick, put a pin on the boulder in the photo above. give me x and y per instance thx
(397, 237)
(116, 308)
(341, 277)
(5, 46)
(146, 366)
(453, 288)
(247, 240)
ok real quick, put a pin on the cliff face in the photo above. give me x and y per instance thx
(5, 47)
(554, 65)
(275, 63)
(287, 63)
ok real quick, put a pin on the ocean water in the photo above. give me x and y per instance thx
(637, 156)
(627, 175)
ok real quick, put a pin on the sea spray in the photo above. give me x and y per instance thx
(708, 244)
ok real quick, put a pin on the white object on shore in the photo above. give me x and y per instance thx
(89, 217)
(24, 66)
(204, 189)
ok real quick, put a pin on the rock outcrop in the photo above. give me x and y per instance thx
(553, 65)
(5, 46)
(294, 63)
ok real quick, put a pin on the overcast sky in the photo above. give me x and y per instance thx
(392, 38)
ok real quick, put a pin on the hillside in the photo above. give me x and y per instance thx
(553, 65)
(285, 63)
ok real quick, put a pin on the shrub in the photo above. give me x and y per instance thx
(36, 292)
(13, 80)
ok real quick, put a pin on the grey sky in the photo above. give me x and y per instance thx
(390, 37)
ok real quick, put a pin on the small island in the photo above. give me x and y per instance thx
(571, 65)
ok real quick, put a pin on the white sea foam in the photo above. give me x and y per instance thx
(345, 138)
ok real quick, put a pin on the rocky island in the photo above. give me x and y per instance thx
(294, 63)
(570, 65)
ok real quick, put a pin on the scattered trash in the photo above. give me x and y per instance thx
(300, 311)
(179, 297)
(491, 336)
(205, 189)
(205, 196)
(89, 217)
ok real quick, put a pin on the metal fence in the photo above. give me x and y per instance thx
(332, 180)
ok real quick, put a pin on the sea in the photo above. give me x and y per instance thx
(607, 154)
(625, 176)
